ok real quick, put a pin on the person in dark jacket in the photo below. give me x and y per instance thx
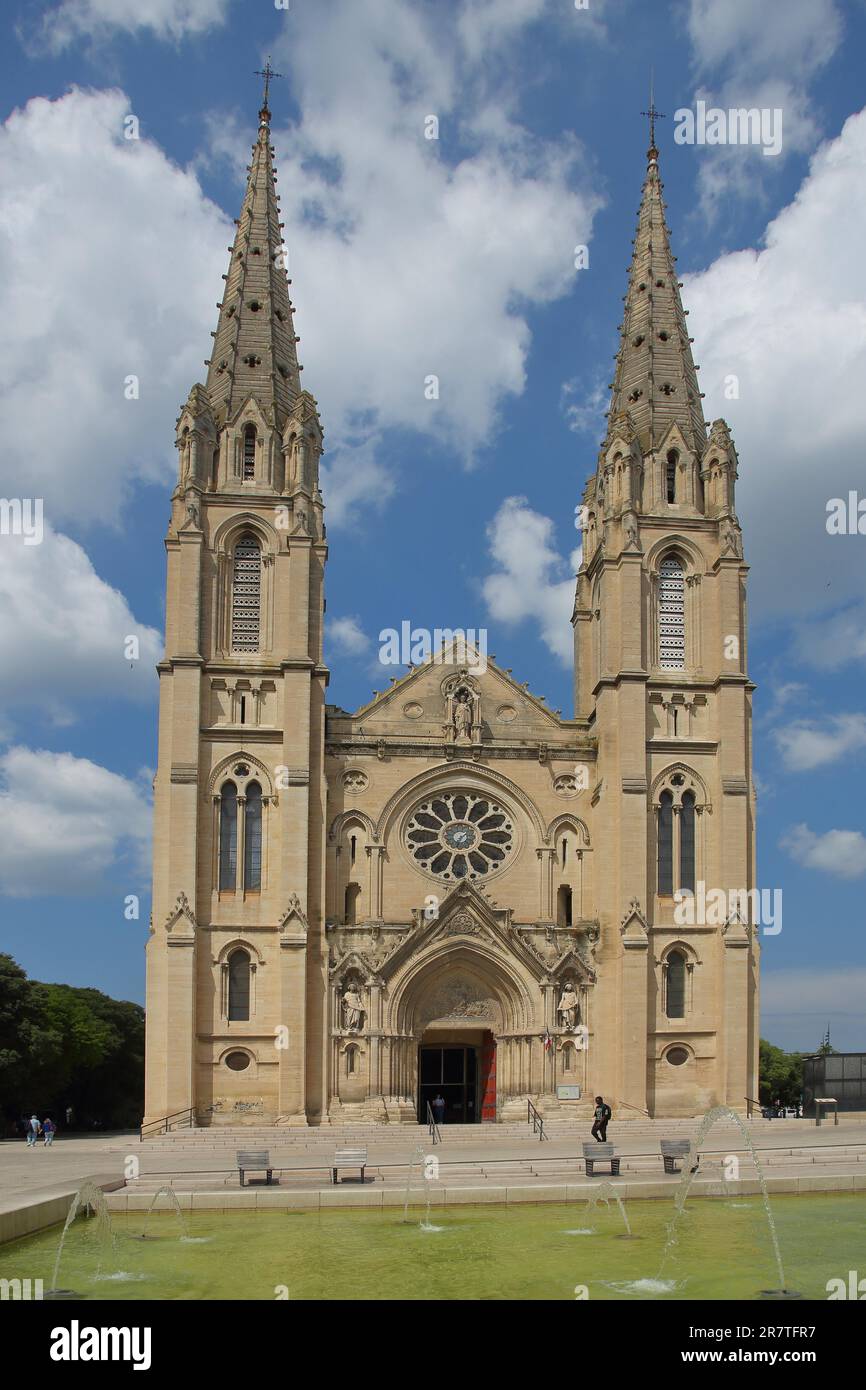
(438, 1108)
(602, 1115)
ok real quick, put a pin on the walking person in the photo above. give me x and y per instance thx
(602, 1115)
(48, 1128)
(33, 1129)
(438, 1108)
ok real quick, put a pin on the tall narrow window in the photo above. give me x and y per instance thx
(666, 844)
(239, 986)
(228, 837)
(246, 595)
(675, 1003)
(249, 452)
(687, 842)
(353, 893)
(672, 614)
(253, 839)
(563, 906)
(671, 475)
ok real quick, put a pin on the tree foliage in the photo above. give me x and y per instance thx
(781, 1074)
(61, 1046)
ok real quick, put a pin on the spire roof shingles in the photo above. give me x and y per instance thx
(655, 382)
(254, 352)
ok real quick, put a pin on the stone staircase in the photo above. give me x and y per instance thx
(477, 1155)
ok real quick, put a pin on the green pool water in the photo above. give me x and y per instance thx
(518, 1252)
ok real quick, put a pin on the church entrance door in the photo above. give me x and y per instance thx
(453, 1072)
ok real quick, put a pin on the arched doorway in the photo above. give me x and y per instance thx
(458, 1063)
(454, 1004)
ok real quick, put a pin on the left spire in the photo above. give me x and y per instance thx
(254, 351)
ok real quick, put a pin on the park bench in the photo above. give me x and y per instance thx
(600, 1153)
(349, 1158)
(673, 1149)
(255, 1161)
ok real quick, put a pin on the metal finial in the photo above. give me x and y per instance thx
(267, 73)
(653, 114)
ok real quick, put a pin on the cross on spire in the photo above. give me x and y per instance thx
(267, 73)
(653, 114)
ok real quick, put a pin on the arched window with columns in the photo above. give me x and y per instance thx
(239, 986)
(672, 613)
(680, 800)
(240, 827)
(246, 611)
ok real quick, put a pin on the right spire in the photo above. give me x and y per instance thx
(655, 383)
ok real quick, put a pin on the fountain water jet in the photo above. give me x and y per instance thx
(606, 1192)
(688, 1176)
(417, 1157)
(169, 1190)
(88, 1198)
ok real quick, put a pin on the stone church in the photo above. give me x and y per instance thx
(453, 890)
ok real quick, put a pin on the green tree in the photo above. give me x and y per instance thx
(62, 1046)
(780, 1073)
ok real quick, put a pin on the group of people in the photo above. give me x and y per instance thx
(47, 1129)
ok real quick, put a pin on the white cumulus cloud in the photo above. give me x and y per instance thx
(758, 57)
(531, 582)
(73, 20)
(416, 258)
(68, 824)
(838, 852)
(112, 259)
(788, 322)
(63, 631)
(805, 744)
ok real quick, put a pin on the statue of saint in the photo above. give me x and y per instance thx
(353, 1009)
(569, 1006)
(463, 715)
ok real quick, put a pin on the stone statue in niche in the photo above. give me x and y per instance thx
(569, 1007)
(462, 716)
(353, 1009)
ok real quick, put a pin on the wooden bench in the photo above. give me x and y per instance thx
(600, 1153)
(349, 1158)
(255, 1161)
(673, 1149)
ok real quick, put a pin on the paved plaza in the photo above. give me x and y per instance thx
(502, 1163)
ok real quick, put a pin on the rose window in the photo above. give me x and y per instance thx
(460, 835)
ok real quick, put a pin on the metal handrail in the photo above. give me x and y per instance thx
(536, 1120)
(164, 1125)
(750, 1101)
(432, 1128)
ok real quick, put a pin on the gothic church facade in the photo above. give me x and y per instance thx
(453, 890)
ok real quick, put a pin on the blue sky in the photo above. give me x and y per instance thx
(412, 257)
